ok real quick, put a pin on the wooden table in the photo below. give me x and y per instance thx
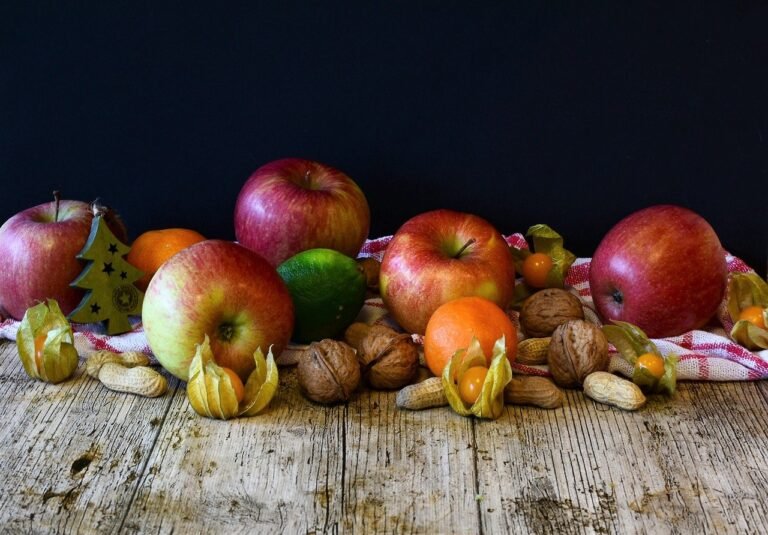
(78, 458)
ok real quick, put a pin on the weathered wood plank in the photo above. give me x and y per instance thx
(690, 464)
(272, 472)
(300, 467)
(79, 458)
(408, 472)
(72, 454)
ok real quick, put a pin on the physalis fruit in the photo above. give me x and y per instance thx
(470, 388)
(46, 344)
(217, 392)
(545, 265)
(652, 372)
(747, 305)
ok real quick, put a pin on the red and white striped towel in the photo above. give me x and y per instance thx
(705, 355)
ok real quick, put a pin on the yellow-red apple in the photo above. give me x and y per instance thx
(221, 289)
(441, 255)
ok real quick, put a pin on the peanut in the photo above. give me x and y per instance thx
(128, 359)
(533, 350)
(611, 389)
(522, 390)
(141, 380)
(533, 390)
(423, 395)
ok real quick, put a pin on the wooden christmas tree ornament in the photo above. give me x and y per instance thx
(111, 296)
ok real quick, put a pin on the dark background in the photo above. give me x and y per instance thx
(523, 113)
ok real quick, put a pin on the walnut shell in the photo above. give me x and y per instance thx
(577, 349)
(389, 360)
(354, 334)
(328, 371)
(543, 311)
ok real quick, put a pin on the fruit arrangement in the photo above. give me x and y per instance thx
(467, 318)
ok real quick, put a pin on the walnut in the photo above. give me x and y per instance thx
(543, 311)
(577, 349)
(389, 360)
(328, 371)
(354, 334)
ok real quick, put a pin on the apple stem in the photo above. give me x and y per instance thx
(617, 296)
(57, 199)
(464, 247)
(307, 179)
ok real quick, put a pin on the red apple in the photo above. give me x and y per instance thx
(291, 205)
(439, 256)
(221, 289)
(661, 268)
(38, 254)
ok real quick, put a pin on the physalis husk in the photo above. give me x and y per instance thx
(746, 290)
(212, 394)
(490, 403)
(545, 240)
(631, 342)
(46, 343)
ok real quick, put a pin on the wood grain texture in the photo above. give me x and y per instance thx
(78, 458)
(693, 463)
(71, 453)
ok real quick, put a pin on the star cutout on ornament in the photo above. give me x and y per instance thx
(95, 308)
(113, 248)
(108, 269)
(123, 275)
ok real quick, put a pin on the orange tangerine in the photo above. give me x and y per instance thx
(150, 250)
(452, 326)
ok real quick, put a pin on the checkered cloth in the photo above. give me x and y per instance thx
(705, 355)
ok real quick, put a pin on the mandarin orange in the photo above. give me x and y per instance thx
(151, 249)
(452, 326)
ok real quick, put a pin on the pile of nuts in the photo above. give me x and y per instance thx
(556, 334)
(566, 336)
(329, 371)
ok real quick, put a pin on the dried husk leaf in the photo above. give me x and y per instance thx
(744, 290)
(750, 335)
(549, 242)
(631, 342)
(545, 240)
(261, 385)
(490, 402)
(209, 388)
(59, 358)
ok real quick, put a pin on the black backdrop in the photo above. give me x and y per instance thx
(541, 112)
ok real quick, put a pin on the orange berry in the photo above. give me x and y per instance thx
(39, 345)
(536, 267)
(471, 383)
(150, 250)
(452, 326)
(654, 364)
(754, 315)
(237, 384)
